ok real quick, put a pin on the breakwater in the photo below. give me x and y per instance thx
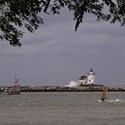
(85, 88)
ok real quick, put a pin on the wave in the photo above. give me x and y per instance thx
(112, 100)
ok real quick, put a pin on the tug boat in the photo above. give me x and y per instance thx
(14, 90)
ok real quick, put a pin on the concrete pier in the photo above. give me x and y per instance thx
(85, 88)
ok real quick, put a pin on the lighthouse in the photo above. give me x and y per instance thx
(91, 77)
(88, 79)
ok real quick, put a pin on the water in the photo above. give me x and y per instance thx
(62, 108)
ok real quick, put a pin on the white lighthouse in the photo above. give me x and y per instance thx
(88, 79)
(91, 77)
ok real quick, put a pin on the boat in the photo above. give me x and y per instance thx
(104, 94)
(14, 90)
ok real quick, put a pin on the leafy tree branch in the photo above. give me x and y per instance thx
(15, 14)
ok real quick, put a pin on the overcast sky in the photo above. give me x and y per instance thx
(55, 54)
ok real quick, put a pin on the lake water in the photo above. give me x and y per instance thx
(62, 108)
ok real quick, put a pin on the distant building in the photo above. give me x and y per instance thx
(88, 79)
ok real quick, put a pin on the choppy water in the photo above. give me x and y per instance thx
(62, 108)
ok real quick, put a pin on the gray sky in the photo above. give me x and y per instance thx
(55, 54)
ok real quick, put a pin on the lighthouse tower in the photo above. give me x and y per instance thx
(91, 77)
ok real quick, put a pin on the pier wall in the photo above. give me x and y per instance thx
(86, 88)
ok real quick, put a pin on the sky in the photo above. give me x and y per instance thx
(55, 54)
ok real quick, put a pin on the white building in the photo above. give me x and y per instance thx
(89, 79)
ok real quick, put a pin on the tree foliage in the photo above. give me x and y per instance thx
(15, 14)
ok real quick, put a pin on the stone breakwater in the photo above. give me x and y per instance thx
(85, 88)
